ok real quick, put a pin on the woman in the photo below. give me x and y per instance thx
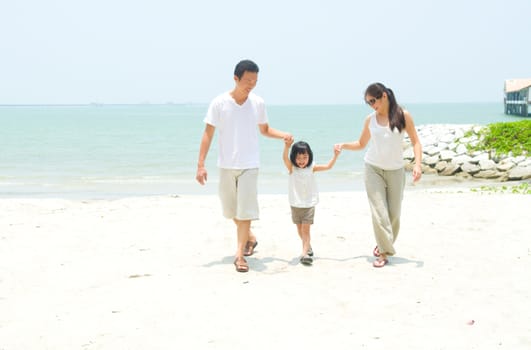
(384, 164)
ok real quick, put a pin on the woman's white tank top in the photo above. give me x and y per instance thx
(385, 146)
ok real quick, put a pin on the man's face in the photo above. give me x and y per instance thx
(247, 82)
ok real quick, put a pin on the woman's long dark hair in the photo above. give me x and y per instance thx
(396, 113)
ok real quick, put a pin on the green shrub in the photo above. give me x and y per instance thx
(523, 188)
(507, 137)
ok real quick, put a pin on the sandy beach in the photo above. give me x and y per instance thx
(157, 273)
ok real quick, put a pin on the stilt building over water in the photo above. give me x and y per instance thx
(517, 98)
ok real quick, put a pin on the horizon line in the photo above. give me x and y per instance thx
(101, 104)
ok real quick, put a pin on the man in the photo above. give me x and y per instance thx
(238, 114)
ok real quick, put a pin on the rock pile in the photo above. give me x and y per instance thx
(445, 152)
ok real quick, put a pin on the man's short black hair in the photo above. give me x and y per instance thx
(245, 66)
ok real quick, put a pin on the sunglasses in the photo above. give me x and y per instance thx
(372, 101)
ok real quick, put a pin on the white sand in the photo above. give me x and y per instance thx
(157, 273)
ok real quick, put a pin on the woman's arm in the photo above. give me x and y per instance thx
(330, 163)
(417, 147)
(361, 142)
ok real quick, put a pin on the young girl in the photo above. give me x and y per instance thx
(384, 165)
(303, 195)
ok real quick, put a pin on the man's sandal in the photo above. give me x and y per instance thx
(241, 265)
(249, 248)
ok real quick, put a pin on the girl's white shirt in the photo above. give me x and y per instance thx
(302, 191)
(385, 146)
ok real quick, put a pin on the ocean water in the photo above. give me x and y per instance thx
(114, 151)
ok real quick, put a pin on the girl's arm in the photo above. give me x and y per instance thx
(285, 155)
(417, 147)
(361, 142)
(330, 163)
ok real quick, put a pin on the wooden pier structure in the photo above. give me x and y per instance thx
(517, 98)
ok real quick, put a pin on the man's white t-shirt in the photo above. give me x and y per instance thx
(237, 127)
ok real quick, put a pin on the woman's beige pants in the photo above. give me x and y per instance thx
(385, 190)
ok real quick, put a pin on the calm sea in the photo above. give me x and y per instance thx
(113, 151)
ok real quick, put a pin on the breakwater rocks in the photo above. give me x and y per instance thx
(446, 152)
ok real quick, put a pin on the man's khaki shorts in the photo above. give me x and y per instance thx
(238, 193)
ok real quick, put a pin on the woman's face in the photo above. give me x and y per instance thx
(302, 160)
(379, 104)
(374, 102)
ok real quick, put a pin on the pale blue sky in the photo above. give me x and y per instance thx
(309, 51)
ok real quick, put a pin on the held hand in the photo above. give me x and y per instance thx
(201, 175)
(288, 138)
(417, 173)
(337, 150)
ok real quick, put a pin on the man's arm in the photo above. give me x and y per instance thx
(268, 131)
(206, 140)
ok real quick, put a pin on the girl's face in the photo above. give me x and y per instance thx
(302, 160)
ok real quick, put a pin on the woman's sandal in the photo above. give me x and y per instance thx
(249, 248)
(376, 252)
(241, 265)
(380, 263)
